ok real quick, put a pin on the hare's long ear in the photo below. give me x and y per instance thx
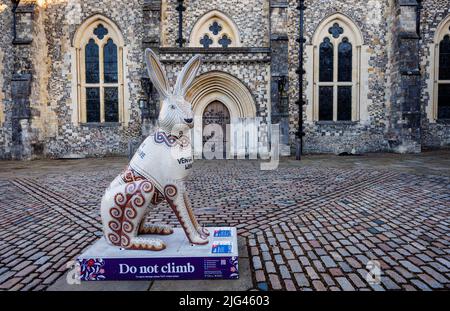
(157, 73)
(187, 75)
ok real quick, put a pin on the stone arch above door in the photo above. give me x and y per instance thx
(223, 87)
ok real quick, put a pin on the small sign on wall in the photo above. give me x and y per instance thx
(23, 27)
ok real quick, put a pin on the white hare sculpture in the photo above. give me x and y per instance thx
(157, 171)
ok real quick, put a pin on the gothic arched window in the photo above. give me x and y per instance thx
(442, 73)
(99, 50)
(214, 29)
(337, 44)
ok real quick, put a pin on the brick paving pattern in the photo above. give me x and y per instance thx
(308, 227)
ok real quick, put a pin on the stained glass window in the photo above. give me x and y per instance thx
(444, 59)
(100, 85)
(93, 104)
(444, 101)
(110, 75)
(337, 46)
(111, 104)
(92, 62)
(326, 103)
(345, 61)
(326, 62)
(344, 104)
(344, 74)
(110, 62)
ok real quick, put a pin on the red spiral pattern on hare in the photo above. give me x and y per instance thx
(114, 238)
(170, 191)
(129, 175)
(125, 210)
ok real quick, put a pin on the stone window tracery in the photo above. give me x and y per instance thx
(337, 44)
(213, 30)
(99, 57)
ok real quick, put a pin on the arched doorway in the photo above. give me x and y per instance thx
(219, 87)
(216, 113)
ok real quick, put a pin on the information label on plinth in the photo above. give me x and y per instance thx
(180, 260)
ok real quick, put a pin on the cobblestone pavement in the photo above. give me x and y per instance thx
(311, 225)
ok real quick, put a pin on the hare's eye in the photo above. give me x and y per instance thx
(172, 107)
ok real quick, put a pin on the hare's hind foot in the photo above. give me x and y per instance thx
(159, 229)
(147, 244)
(203, 231)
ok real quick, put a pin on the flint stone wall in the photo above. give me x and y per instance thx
(250, 17)
(44, 52)
(6, 68)
(370, 16)
(60, 21)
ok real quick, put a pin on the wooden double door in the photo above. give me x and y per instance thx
(216, 113)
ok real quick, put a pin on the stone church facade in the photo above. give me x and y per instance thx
(73, 81)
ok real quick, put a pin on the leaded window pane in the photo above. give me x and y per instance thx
(225, 41)
(326, 61)
(111, 104)
(444, 59)
(336, 30)
(344, 105)
(326, 103)
(92, 62)
(110, 62)
(444, 101)
(215, 28)
(206, 41)
(93, 104)
(100, 31)
(345, 61)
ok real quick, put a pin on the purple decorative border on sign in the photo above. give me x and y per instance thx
(190, 268)
(92, 269)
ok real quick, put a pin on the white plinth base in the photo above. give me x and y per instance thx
(180, 260)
